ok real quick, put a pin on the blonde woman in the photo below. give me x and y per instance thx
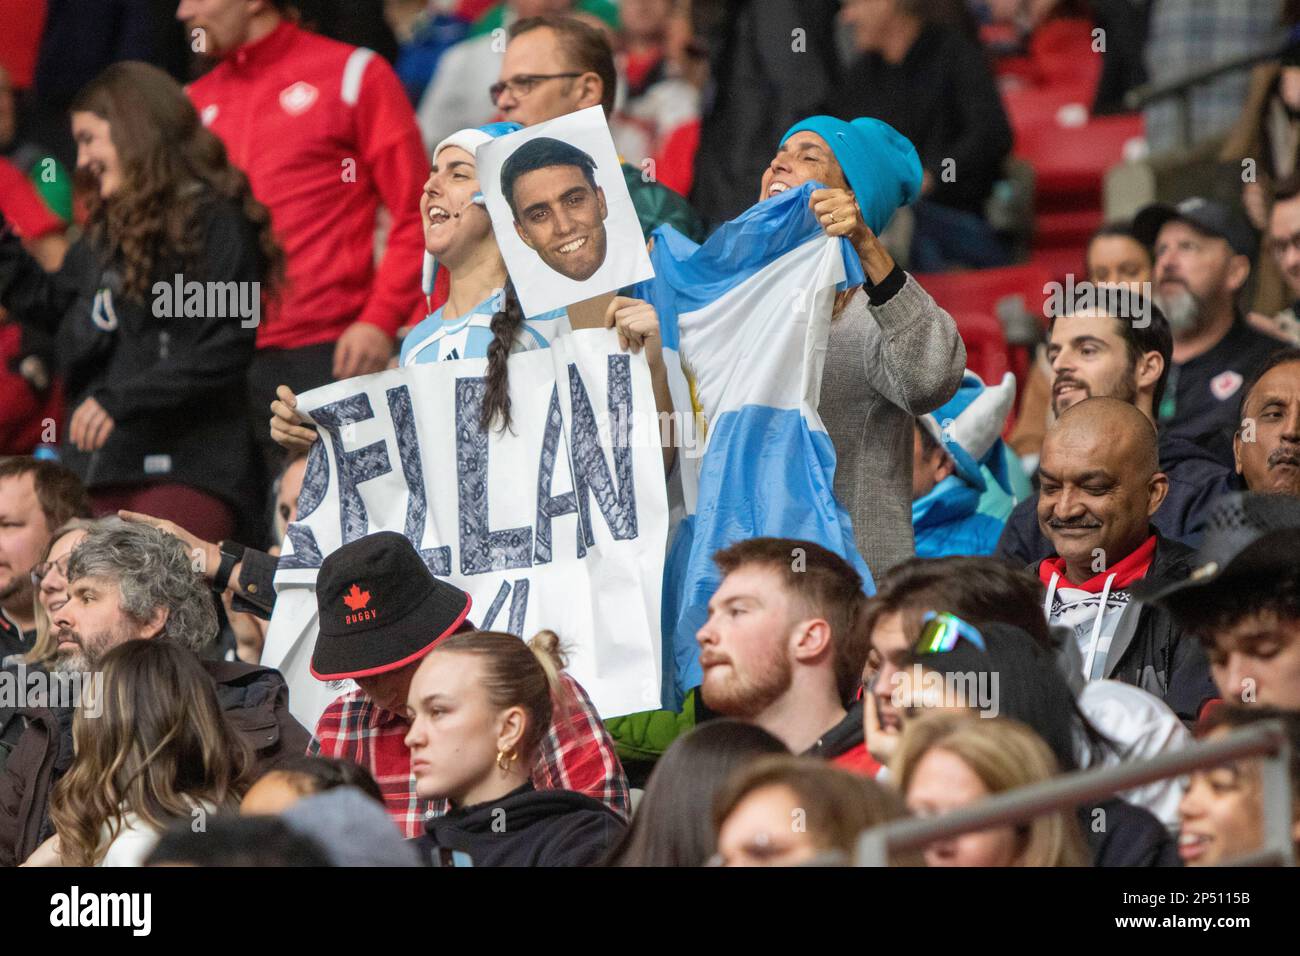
(946, 761)
(50, 576)
(480, 705)
(153, 747)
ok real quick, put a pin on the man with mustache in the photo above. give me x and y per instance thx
(558, 208)
(1096, 354)
(128, 582)
(1100, 486)
(1203, 252)
(783, 648)
(1267, 445)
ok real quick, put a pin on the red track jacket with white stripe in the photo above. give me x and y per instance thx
(326, 135)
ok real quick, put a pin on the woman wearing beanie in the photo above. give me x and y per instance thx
(894, 354)
(480, 704)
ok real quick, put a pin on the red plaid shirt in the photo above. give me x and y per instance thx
(577, 753)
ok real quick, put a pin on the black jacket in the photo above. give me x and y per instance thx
(175, 387)
(1202, 399)
(841, 738)
(943, 98)
(1122, 834)
(1196, 480)
(1149, 651)
(526, 827)
(773, 63)
(36, 748)
(13, 640)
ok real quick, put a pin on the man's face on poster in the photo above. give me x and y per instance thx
(561, 217)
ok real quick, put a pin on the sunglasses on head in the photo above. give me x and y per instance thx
(941, 631)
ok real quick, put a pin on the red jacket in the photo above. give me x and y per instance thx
(326, 135)
(22, 204)
(858, 760)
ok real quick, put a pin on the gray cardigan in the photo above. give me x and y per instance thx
(885, 364)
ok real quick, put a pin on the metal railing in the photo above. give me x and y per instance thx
(1143, 96)
(1267, 740)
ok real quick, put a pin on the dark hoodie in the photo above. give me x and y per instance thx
(1196, 479)
(526, 827)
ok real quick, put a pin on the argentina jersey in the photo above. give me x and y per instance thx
(468, 336)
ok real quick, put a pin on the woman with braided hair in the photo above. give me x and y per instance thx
(482, 317)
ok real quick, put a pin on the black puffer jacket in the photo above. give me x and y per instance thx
(175, 387)
(526, 827)
(36, 748)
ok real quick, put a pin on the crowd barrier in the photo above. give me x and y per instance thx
(1268, 740)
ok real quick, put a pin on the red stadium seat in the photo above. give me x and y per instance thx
(1059, 54)
(1073, 159)
(986, 347)
(980, 290)
(972, 298)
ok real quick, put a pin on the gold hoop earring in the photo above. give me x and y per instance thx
(505, 758)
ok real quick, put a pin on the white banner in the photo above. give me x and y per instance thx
(560, 522)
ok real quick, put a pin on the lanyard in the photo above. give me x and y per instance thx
(1169, 401)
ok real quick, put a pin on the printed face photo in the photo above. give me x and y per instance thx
(560, 214)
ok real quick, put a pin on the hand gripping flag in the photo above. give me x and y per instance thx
(747, 315)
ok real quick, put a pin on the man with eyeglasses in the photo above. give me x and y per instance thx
(1284, 245)
(556, 65)
(35, 498)
(454, 97)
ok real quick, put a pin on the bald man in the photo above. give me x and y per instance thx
(1100, 485)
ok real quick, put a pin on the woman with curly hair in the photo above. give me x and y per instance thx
(156, 306)
(153, 747)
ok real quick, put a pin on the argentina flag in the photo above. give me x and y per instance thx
(745, 319)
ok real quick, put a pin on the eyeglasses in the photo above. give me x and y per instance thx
(1278, 247)
(45, 567)
(523, 84)
(941, 631)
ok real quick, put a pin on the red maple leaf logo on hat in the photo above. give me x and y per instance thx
(356, 598)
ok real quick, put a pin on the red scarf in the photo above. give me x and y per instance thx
(1133, 568)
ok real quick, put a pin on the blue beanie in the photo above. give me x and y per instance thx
(879, 162)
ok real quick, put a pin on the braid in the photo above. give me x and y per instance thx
(505, 325)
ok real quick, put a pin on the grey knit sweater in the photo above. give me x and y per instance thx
(885, 364)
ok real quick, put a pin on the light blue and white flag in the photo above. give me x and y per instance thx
(748, 316)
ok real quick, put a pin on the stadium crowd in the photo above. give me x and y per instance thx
(1083, 541)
